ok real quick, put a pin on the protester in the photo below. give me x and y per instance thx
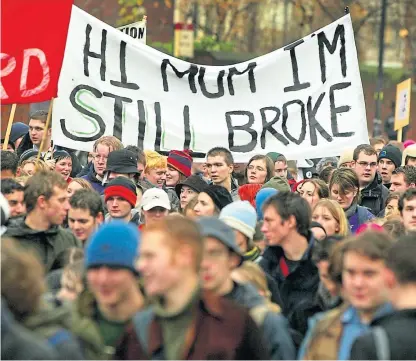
(331, 335)
(280, 165)
(326, 173)
(325, 163)
(248, 192)
(155, 206)
(409, 156)
(377, 143)
(77, 184)
(189, 210)
(389, 159)
(403, 178)
(344, 188)
(261, 198)
(242, 218)
(14, 193)
(346, 159)
(184, 323)
(101, 150)
(22, 286)
(332, 217)
(179, 167)
(63, 164)
(222, 255)
(394, 227)
(220, 168)
(212, 200)
(9, 163)
(313, 190)
(259, 170)
(47, 205)
(120, 198)
(86, 213)
(396, 329)
(18, 131)
(407, 208)
(189, 189)
(31, 166)
(113, 295)
(373, 193)
(121, 163)
(141, 159)
(288, 257)
(392, 205)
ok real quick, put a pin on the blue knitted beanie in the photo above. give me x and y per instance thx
(240, 216)
(261, 197)
(115, 244)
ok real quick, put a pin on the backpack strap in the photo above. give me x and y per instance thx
(382, 343)
(141, 323)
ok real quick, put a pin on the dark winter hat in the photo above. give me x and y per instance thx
(115, 244)
(219, 195)
(18, 130)
(122, 161)
(392, 153)
(215, 228)
(28, 154)
(60, 154)
(181, 161)
(195, 182)
(279, 183)
(274, 155)
(121, 187)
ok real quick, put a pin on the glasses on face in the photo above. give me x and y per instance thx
(99, 157)
(366, 164)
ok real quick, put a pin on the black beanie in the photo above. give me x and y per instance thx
(219, 195)
(392, 153)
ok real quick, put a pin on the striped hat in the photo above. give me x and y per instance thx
(181, 160)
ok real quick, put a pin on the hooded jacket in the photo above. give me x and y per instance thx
(54, 323)
(50, 245)
(374, 195)
(94, 181)
(275, 327)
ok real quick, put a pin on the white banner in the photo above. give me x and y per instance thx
(304, 101)
(136, 30)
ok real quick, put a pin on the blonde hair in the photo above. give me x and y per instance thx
(253, 274)
(22, 179)
(39, 165)
(110, 141)
(82, 182)
(154, 160)
(337, 212)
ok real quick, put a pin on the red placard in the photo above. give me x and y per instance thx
(33, 38)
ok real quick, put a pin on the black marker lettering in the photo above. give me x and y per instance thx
(314, 125)
(118, 113)
(247, 128)
(303, 117)
(295, 70)
(123, 83)
(233, 71)
(268, 126)
(158, 138)
(192, 71)
(88, 53)
(220, 84)
(338, 110)
(187, 127)
(142, 123)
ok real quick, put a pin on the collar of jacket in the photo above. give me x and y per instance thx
(351, 314)
(94, 177)
(372, 187)
(18, 227)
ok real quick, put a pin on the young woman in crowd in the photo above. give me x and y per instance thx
(344, 188)
(212, 200)
(313, 190)
(63, 164)
(189, 189)
(392, 205)
(332, 217)
(32, 165)
(78, 183)
(259, 170)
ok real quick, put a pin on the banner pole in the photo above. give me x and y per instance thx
(399, 134)
(9, 126)
(48, 120)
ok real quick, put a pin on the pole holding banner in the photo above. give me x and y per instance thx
(48, 121)
(402, 111)
(9, 127)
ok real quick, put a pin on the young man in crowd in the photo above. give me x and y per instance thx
(155, 176)
(9, 163)
(288, 257)
(19, 130)
(113, 295)
(377, 143)
(407, 208)
(155, 206)
(373, 192)
(389, 159)
(332, 334)
(120, 199)
(399, 326)
(86, 213)
(47, 205)
(184, 323)
(141, 159)
(221, 256)
(220, 164)
(14, 193)
(101, 150)
(403, 178)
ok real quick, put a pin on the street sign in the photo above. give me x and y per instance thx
(184, 40)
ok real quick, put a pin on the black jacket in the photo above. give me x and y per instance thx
(400, 327)
(374, 196)
(298, 290)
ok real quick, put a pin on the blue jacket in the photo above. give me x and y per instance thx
(92, 179)
(275, 326)
(361, 216)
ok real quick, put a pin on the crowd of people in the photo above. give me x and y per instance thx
(132, 254)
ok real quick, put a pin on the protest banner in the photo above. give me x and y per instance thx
(32, 48)
(305, 100)
(136, 30)
(402, 111)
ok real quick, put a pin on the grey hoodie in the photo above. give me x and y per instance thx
(275, 326)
